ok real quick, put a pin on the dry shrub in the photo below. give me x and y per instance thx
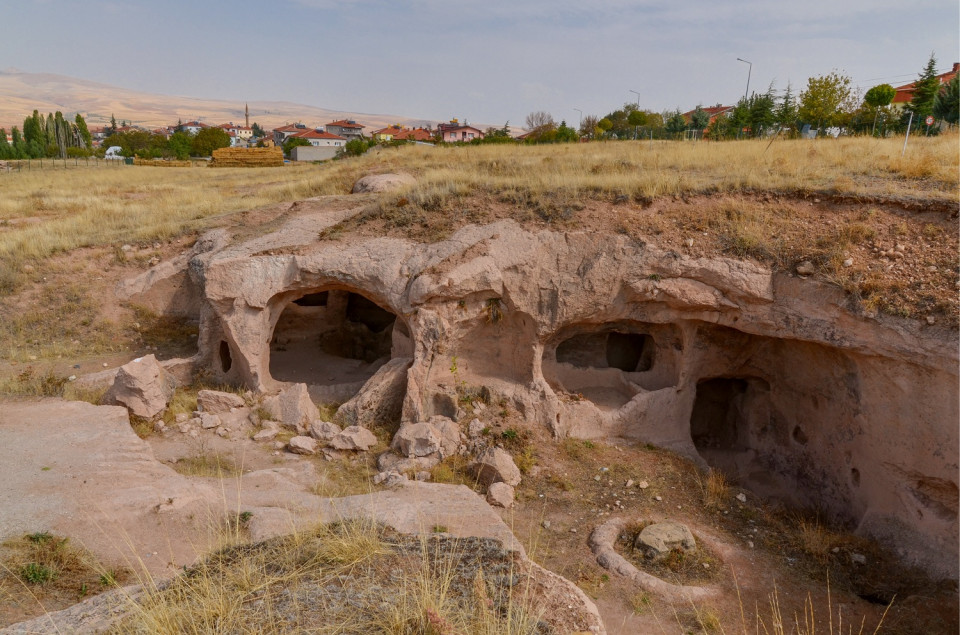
(214, 465)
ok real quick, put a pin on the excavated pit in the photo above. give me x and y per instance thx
(333, 341)
(772, 379)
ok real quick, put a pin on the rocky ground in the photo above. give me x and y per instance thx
(153, 504)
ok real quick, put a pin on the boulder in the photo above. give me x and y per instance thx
(389, 461)
(501, 495)
(382, 183)
(495, 466)
(324, 430)
(302, 445)
(142, 386)
(449, 433)
(659, 539)
(381, 398)
(209, 421)
(353, 438)
(216, 402)
(417, 439)
(293, 408)
(267, 434)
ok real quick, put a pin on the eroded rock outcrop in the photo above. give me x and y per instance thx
(598, 336)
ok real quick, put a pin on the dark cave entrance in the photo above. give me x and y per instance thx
(334, 340)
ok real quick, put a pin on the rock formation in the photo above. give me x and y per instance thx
(770, 377)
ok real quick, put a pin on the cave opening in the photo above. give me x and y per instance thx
(334, 340)
(629, 352)
(730, 416)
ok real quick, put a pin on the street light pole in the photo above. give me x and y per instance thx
(638, 108)
(749, 71)
(579, 125)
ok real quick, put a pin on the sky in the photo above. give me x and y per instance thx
(487, 62)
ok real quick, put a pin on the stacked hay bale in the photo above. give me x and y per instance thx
(161, 163)
(247, 158)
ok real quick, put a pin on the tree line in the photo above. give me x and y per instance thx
(828, 101)
(47, 136)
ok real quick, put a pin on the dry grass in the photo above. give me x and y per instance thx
(203, 464)
(346, 577)
(45, 570)
(44, 213)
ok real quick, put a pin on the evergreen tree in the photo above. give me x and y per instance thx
(947, 104)
(32, 130)
(699, 119)
(762, 115)
(84, 132)
(20, 148)
(6, 152)
(786, 113)
(925, 90)
(257, 130)
(113, 125)
(676, 123)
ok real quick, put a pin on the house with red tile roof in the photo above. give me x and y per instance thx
(386, 134)
(320, 138)
(712, 111)
(347, 128)
(415, 134)
(905, 92)
(455, 131)
(281, 133)
(241, 132)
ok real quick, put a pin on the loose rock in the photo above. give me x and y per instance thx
(302, 445)
(495, 466)
(659, 539)
(501, 495)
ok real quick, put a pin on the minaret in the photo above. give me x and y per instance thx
(246, 114)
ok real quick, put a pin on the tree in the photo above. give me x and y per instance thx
(180, 144)
(637, 118)
(83, 131)
(876, 98)
(824, 100)
(291, 143)
(786, 113)
(947, 104)
(925, 90)
(208, 140)
(880, 96)
(257, 130)
(588, 126)
(113, 125)
(699, 119)
(566, 134)
(604, 125)
(539, 125)
(761, 112)
(6, 151)
(676, 123)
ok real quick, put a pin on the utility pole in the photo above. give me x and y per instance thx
(579, 125)
(638, 108)
(746, 93)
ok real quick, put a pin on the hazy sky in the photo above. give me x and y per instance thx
(488, 62)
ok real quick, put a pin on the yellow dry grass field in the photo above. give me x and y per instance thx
(61, 231)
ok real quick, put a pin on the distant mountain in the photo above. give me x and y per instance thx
(21, 93)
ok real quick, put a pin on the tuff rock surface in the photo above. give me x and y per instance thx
(600, 336)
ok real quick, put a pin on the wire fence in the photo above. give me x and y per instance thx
(16, 166)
